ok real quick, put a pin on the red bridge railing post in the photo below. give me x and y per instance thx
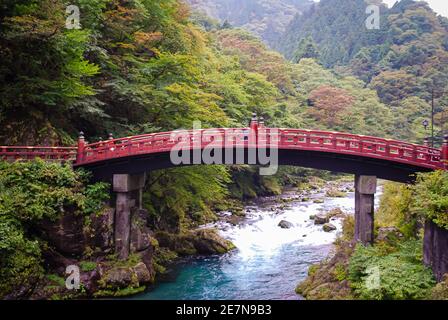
(81, 146)
(254, 122)
(445, 152)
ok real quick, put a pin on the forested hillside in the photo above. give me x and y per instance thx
(137, 67)
(264, 18)
(142, 66)
(336, 26)
(405, 60)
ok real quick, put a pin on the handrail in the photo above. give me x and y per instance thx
(294, 139)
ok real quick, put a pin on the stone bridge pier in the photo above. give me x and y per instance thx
(129, 191)
(365, 189)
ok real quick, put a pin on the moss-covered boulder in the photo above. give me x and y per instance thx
(179, 243)
(328, 227)
(203, 241)
(335, 213)
(208, 241)
(440, 291)
(328, 280)
(120, 278)
(335, 193)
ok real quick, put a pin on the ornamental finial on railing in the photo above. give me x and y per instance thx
(254, 122)
(445, 150)
(81, 146)
(261, 122)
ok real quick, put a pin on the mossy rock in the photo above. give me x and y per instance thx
(208, 241)
(205, 241)
(327, 280)
(180, 243)
(337, 212)
(321, 218)
(328, 227)
(129, 291)
(333, 193)
(440, 291)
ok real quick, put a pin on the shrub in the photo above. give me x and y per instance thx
(431, 197)
(340, 273)
(30, 192)
(19, 258)
(440, 291)
(401, 272)
(87, 266)
(57, 280)
(395, 209)
(35, 190)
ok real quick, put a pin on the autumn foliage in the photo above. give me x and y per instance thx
(329, 104)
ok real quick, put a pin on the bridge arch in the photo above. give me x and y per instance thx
(125, 161)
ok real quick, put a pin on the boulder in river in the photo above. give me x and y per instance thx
(285, 224)
(208, 241)
(328, 227)
(336, 212)
(202, 241)
(321, 218)
(335, 193)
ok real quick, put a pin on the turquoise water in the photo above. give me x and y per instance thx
(230, 277)
(269, 261)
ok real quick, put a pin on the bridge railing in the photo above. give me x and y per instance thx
(57, 154)
(361, 145)
(163, 142)
(314, 140)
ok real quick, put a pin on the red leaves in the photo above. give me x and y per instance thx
(329, 104)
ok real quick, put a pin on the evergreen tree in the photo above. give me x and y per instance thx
(307, 49)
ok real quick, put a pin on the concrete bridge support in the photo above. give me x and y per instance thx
(435, 249)
(365, 189)
(129, 189)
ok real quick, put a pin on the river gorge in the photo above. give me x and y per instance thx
(269, 261)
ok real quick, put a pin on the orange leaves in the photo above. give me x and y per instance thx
(183, 11)
(329, 104)
(126, 14)
(255, 57)
(143, 38)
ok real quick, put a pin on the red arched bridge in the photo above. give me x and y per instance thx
(340, 152)
(124, 161)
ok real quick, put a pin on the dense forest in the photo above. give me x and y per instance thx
(264, 18)
(405, 60)
(142, 66)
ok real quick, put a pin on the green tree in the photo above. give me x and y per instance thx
(307, 49)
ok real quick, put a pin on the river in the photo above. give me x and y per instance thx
(269, 261)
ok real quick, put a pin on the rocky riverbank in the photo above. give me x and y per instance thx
(277, 238)
(87, 242)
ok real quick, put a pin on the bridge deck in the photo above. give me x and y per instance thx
(367, 147)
